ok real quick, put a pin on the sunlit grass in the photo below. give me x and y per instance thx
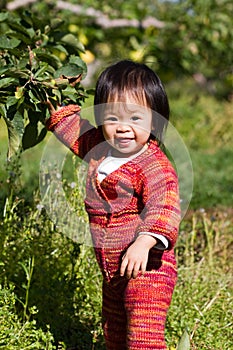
(203, 299)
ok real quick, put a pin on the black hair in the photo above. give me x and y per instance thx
(142, 83)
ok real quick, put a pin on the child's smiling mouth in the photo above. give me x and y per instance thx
(123, 141)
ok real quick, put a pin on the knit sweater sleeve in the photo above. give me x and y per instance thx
(161, 213)
(76, 133)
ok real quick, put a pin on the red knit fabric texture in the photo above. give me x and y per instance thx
(61, 113)
(142, 195)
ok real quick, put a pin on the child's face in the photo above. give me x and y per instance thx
(126, 126)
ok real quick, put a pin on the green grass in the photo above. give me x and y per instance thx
(213, 183)
(203, 298)
(206, 125)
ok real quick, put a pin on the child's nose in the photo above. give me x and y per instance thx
(123, 127)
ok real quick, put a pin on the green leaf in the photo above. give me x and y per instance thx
(30, 136)
(61, 49)
(24, 74)
(41, 70)
(71, 40)
(57, 93)
(19, 28)
(15, 129)
(33, 98)
(69, 70)
(5, 82)
(37, 95)
(7, 43)
(46, 57)
(184, 343)
(70, 93)
(3, 70)
(22, 63)
(56, 22)
(20, 36)
(11, 100)
(19, 93)
(3, 16)
(79, 62)
(2, 110)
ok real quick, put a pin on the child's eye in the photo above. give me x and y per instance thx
(110, 118)
(135, 118)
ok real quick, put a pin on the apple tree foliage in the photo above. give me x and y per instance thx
(40, 68)
(194, 38)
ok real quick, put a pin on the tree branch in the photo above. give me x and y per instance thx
(13, 5)
(103, 21)
(99, 17)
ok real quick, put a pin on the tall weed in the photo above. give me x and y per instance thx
(18, 334)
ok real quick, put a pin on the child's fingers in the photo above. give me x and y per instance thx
(123, 265)
(130, 269)
(136, 270)
(143, 267)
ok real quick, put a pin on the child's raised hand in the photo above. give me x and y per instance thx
(136, 257)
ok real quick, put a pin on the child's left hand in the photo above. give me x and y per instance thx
(136, 257)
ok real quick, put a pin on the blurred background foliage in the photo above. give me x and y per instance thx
(177, 38)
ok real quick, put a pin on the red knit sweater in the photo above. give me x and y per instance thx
(140, 196)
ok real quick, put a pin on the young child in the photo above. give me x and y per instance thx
(132, 201)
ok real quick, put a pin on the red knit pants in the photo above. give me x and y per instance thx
(134, 311)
